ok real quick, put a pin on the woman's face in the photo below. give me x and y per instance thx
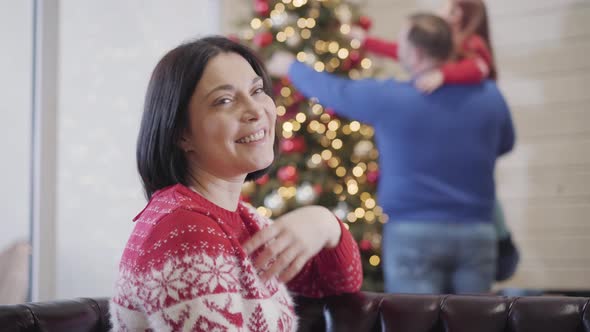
(231, 128)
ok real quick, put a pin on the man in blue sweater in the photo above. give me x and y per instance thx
(437, 155)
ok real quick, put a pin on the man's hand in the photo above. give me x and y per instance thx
(293, 239)
(430, 81)
(279, 63)
(358, 33)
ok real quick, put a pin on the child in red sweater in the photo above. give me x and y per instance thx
(473, 59)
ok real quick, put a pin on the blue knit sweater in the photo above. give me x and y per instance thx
(437, 152)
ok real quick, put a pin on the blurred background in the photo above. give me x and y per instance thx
(73, 78)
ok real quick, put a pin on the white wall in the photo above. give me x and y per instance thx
(107, 51)
(16, 26)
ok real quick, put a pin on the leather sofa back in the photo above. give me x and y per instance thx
(452, 313)
(351, 312)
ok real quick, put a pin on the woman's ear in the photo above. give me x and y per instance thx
(184, 144)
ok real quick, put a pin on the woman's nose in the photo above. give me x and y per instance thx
(252, 110)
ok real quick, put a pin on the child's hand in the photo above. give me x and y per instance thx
(430, 81)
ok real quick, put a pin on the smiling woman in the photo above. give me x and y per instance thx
(199, 258)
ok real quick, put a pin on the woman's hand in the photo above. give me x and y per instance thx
(294, 238)
(430, 81)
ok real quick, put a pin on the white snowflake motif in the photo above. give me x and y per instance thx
(164, 283)
(124, 293)
(216, 272)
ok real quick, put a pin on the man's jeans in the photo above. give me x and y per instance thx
(439, 258)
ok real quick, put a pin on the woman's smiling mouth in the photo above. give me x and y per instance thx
(257, 136)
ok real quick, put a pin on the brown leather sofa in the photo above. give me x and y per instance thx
(353, 312)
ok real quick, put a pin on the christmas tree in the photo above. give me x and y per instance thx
(325, 159)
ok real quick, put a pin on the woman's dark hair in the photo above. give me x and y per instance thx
(160, 160)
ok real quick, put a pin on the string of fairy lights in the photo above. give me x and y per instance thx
(320, 34)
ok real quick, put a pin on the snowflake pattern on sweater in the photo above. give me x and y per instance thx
(184, 269)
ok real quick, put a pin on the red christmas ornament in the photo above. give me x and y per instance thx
(263, 39)
(285, 81)
(355, 58)
(298, 97)
(261, 7)
(365, 22)
(262, 180)
(292, 111)
(373, 177)
(295, 144)
(318, 189)
(346, 64)
(330, 111)
(288, 174)
(365, 245)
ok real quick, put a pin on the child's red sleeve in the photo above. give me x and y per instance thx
(463, 71)
(474, 68)
(381, 47)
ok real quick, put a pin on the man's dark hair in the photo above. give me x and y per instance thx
(160, 160)
(432, 34)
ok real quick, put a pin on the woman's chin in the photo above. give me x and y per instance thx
(261, 164)
(252, 162)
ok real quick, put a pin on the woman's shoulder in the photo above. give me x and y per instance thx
(172, 221)
(176, 236)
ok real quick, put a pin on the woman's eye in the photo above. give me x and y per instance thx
(258, 91)
(223, 101)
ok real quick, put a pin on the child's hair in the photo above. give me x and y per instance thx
(475, 21)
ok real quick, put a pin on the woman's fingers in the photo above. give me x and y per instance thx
(293, 269)
(284, 247)
(261, 238)
(274, 248)
(282, 261)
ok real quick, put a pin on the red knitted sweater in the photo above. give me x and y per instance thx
(184, 269)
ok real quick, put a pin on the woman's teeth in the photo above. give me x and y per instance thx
(252, 138)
